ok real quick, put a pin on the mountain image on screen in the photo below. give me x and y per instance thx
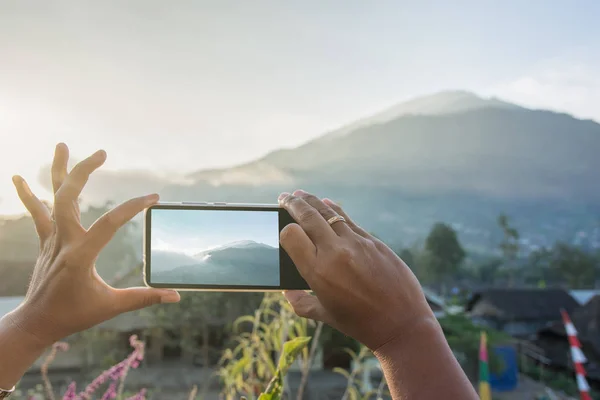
(241, 263)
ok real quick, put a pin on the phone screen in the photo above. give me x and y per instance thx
(207, 247)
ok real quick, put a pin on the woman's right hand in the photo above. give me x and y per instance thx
(362, 287)
(366, 291)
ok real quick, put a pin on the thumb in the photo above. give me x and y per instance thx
(141, 297)
(306, 305)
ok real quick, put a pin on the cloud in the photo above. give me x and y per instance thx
(568, 85)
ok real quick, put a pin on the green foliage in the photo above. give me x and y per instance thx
(249, 368)
(509, 246)
(336, 341)
(444, 252)
(291, 350)
(565, 262)
(407, 256)
(197, 312)
(556, 380)
(354, 385)
(487, 271)
(463, 337)
(510, 241)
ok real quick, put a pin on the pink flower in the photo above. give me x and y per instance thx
(111, 392)
(117, 372)
(141, 395)
(71, 393)
(62, 346)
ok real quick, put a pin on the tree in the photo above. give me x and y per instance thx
(509, 245)
(444, 252)
(487, 271)
(564, 262)
(407, 256)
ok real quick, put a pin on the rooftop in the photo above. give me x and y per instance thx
(526, 304)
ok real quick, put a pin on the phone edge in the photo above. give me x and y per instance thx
(217, 205)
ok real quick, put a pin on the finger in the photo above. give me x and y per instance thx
(66, 199)
(79, 175)
(38, 210)
(103, 230)
(349, 221)
(300, 248)
(327, 212)
(306, 305)
(313, 223)
(59, 166)
(141, 297)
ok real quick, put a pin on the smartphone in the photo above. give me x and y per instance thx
(219, 247)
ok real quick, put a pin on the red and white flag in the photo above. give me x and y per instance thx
(577, 356)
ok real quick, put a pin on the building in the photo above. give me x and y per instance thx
(555, 345)
(519, 312)
(583, 296)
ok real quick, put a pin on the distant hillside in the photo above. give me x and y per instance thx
(499, 151)
(443, 103)
(243, 263)
(452, 156)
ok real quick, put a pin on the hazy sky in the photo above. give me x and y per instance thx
(192, 231)
(180, 86)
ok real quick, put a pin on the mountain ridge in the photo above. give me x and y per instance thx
(429, 152)
(399, 177)
(241, 262)
(439, 103)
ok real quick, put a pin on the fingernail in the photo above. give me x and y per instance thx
(100, 154)
(328, 201)
(152, 198)
(170, 297)
(17, 179)
(282, 196)
(299, 192)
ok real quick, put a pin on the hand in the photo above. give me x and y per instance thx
(66, 295)
(362, 287)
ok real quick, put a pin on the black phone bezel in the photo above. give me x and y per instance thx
(289, 277)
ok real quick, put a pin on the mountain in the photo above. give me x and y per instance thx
(452, 156)
(164, 260)
(241, 263)
(442, 103)
(240, 244)
(447, 143)
(269, 170)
